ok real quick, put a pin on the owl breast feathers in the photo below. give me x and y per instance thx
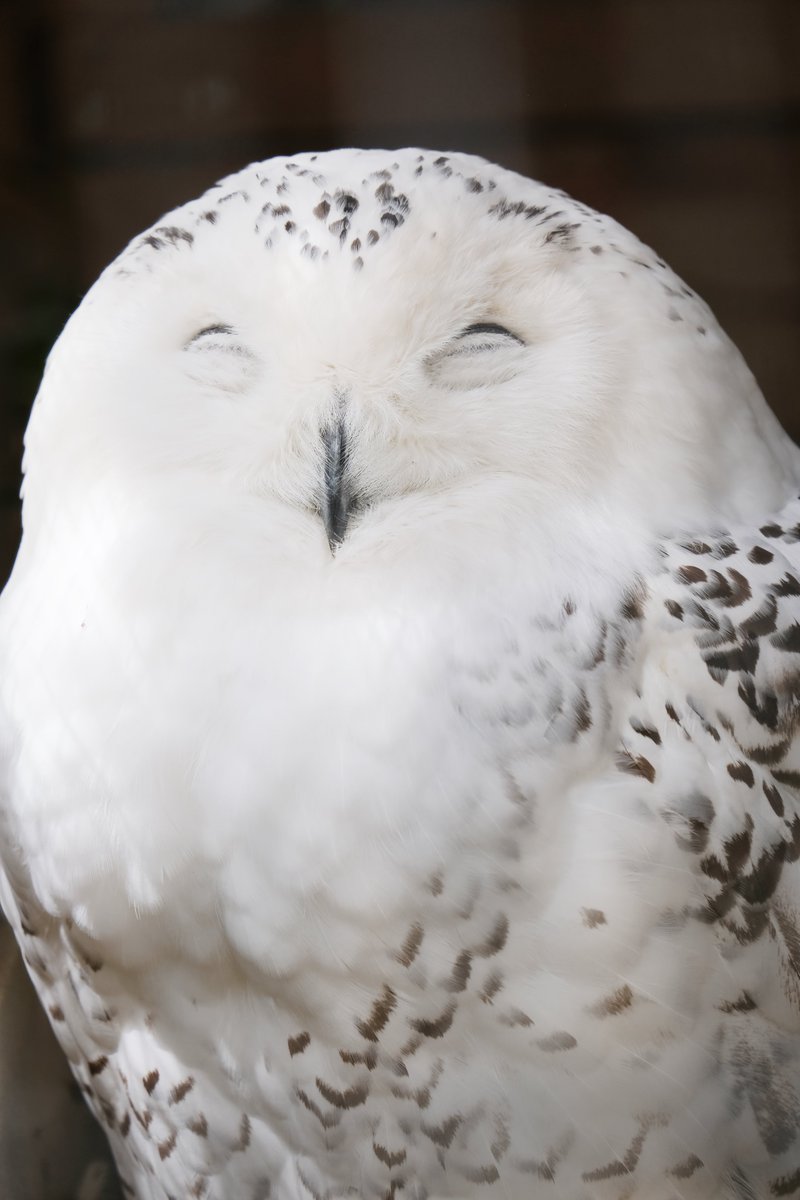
(399, 704)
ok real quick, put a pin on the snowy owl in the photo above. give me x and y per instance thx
(399, 693)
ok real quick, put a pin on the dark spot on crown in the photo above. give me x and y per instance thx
(561, 233)
(346, 201)
(173, 235)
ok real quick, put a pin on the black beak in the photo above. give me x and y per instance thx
(338, 499)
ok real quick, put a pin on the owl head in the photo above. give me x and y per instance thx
(371, 350)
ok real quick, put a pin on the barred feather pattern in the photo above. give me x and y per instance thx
(615, 1015)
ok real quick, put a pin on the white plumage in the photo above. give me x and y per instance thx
(399, 704)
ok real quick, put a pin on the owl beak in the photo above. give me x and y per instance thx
(338, 499)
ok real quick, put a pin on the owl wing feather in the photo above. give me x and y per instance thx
(712, 730)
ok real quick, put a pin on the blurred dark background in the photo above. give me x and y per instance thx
(679, 117)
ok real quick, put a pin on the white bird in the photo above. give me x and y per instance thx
(399, 704)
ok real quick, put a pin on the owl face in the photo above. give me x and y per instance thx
(367, 346)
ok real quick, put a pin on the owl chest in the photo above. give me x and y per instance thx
(354, 909)
(442, 1047)
(286, 757)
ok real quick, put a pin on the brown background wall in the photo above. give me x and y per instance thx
(680, 117)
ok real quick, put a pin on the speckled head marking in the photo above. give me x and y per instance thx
(306, 202)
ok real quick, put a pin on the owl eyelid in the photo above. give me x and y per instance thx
(491, 327)
(210, 330)
(478, 338)
(205, 340)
